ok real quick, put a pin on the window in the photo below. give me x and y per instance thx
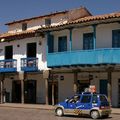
(51, 44)
(103, 98)
(116, 38)
(31, 49)
(8, 52)
(62, 44)
(24, 26)
(86, 99)
(88, 41)
(47, 21)
(94, 99)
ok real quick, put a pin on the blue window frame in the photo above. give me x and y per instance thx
(88, 41)
(62, 43)
(116, 38)
(50, 44)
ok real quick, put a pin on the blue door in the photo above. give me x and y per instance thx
(103, 86)
(62, 44)
(50, 44)
(85, 103)
(88, 41)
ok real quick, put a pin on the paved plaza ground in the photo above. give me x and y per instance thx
(7, 113)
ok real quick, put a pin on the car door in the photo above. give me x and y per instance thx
(72, 104)
(85, 104)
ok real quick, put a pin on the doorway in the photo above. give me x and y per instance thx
(82, 85)
(52, 93)
(16, 91)
(103, 86)
(31, 50)
(30, 91)
(8, 52)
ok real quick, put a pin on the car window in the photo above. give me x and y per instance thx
(103, 98)
(94, 99)
(74, 99)
(86, 99)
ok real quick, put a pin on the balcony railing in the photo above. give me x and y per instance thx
(29, 64)
(98, 56)
(9, 65)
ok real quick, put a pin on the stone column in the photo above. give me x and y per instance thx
(109, 86)
(75, 83)
(46, 77)
(22, 77)
(1, 88)
(53, 100)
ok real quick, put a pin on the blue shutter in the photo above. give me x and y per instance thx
(116, 38)
(51, 44)
(88, 41)
(62, 44)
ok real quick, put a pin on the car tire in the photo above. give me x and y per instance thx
(59, 112)
(94, 114)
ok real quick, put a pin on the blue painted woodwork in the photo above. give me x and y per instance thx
(29, 64)
(8, 65)
(70, 41)
(116, 38)
(50, 43)
(88, 41)
(103, 86)
(62, 43)
(94, 36)
(81, 57)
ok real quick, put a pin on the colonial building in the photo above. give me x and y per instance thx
(48, 58)
(85, 52)
(23, 67)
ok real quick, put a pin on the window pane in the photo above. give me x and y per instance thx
(87, 41)
(116, 38)
(94, 99)
(86, 99)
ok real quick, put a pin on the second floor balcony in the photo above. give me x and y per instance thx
(29, 64)
(84, 57)
(8, 65)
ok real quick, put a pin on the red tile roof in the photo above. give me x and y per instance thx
(28, 19)
(18, 35)
(98, 18)
(30, 33)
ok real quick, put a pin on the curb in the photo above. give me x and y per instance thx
(39, 108)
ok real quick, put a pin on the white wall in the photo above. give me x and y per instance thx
(65, 87)
(40, 85)
(103, 36)
(37, 23)
(20, 52)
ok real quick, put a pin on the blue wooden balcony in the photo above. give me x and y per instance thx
(82, 57)
(9, 65)
(29, 64)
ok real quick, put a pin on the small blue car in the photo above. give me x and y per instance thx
(92, 104)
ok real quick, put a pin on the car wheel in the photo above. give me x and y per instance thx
(94, 114)
(59, 112)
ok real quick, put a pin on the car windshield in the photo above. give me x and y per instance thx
(75, 98)
(103, 98)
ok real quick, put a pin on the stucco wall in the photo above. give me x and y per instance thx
(103, 36)
(21, 51)
(40, 86)
(37, 23)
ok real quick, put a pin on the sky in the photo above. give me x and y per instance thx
(11, 10)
